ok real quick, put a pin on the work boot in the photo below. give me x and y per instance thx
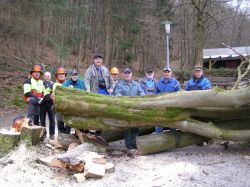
(52, 136)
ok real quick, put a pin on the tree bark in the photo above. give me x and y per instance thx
(155, 143)
(93, 111)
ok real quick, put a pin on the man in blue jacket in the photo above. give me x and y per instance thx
(198, 81)
(129, 87)
(166, 84)
(74, 81)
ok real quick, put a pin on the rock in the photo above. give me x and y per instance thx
(8, 140)
(32, 135)
(64, 140)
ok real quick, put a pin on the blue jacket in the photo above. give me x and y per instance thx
(132, 88)
(149, 86)
(168, 85)
(79, 84)
(198, 84)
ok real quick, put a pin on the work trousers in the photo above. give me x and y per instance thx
(47, 108)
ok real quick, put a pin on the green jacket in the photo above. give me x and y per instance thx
(32, 84)
(91, 79)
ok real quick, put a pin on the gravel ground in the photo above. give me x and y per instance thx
(209, 165)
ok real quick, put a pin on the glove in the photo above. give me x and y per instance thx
(40, 100)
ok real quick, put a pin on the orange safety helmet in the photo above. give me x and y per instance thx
(60, 70)
(114, 70)
(36, 68)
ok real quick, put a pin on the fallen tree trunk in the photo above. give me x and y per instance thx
(94, 111)
(155, 143)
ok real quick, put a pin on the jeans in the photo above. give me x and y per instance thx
(103, 91)
(130, 137)
(33, 110)
(48, 108)
(158, 129)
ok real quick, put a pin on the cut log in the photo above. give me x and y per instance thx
(8, 140)
(74, 159)
(93, 170)
(109, 168)
(155, 143)
(80, 177)
(94, 111)
(32, 135)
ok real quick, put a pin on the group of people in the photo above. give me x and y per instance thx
(39, 94)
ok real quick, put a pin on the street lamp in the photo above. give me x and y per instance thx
(167, 31)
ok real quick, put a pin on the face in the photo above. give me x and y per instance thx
(74, 77)
(115, 76)
(98, 62)
(150, 74)
(47, 76)
(127, 76)
(61, 77)
(36, 74)
(167, 74)
(198, 74)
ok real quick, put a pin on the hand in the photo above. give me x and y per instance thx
(70, 86)
(40, 100)
(110, 91)
(87, 90)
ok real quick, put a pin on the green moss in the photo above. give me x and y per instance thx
(171, 113)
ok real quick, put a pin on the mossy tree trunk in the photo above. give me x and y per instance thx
(177, 110)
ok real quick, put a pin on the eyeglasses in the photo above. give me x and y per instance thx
(127, 72)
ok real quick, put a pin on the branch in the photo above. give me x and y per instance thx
(246, 61)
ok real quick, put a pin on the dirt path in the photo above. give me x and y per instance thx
(190, 166)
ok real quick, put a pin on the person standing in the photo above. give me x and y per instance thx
(198, 81)
(97, 77)
(166, 84)
(115, 74)
(47, 105)
(148, 83)
(74, 81)
(129, 87)
(60, 79)
(33, 93)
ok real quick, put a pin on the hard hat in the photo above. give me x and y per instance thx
(60, 70)
(36, 68)
(114, 70)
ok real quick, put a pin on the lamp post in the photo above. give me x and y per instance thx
(167, 31)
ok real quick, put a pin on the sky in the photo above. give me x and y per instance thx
(244, 5)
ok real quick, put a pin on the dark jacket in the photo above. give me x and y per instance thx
(79, 84)
(198, 84)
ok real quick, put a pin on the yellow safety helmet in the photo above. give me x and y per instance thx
(114, 71)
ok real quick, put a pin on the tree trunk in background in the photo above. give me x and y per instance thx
(200, 6)
(107, 25)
